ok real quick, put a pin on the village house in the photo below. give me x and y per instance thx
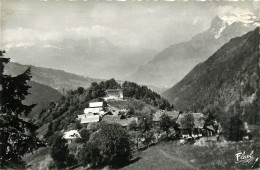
(96, 105)
(92, 110)
(114, 94)
(196, 131)
(71, 135)
(95, 108)
(92, 113)
(88, 118)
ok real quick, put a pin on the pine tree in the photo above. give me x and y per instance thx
(17, 136)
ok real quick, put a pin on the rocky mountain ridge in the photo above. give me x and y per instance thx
(229, 77)
(172, 64)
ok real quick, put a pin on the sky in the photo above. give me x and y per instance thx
(149, 25)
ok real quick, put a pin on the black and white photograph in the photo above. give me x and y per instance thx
(129, 84)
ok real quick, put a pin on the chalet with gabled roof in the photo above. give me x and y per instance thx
(114, 94)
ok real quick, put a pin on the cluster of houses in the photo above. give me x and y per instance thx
(92, 113)
(199, 129)
(97, 111)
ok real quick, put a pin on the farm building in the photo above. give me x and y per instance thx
(114, 94)
(93, 113)
(95, 108)
(92, 110)
(96, 105)
(89, 118)
(71, 135)
(197, 130)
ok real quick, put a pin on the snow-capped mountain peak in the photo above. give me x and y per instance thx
(225, 19)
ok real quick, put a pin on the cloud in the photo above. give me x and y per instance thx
(22, 34)
(231, 15)
(145, 24)
(28, 37)
(89, 32)
(230, 10)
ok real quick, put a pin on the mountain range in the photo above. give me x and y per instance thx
(95, 57)
(230, 75)
(172, 64)
(57, 79)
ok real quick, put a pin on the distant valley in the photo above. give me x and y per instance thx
(173, 63)
(230, 77)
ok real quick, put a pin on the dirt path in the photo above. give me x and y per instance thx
(186, 163)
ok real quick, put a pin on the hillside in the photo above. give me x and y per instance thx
(57, 79)
(230, 76)
(64, 112)
(41, 95)
(170, 65)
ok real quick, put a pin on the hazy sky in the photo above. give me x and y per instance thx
(153, 25)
